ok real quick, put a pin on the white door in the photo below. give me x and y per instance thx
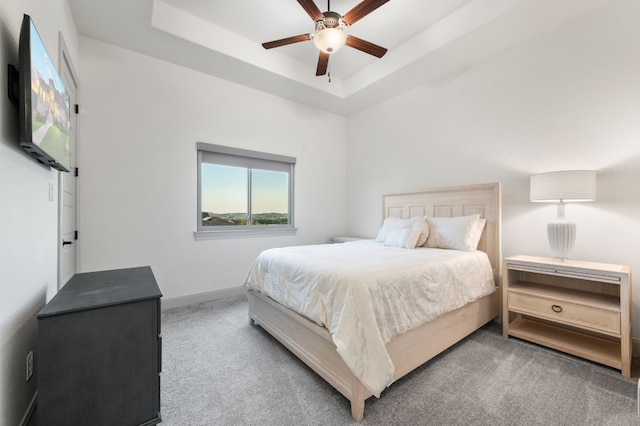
(67, 182)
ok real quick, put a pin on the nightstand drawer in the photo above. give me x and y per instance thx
(602, 317)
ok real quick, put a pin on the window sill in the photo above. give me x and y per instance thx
(243, 233)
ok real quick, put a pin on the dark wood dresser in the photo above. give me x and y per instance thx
(99, 351)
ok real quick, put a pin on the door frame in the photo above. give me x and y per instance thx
(64, 60)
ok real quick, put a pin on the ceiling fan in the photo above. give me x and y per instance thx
(330, 35)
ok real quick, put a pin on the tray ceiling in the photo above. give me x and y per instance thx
(427, 41)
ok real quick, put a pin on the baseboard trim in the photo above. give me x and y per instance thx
(30, 409)
(176, 302)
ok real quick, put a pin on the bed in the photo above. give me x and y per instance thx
(404, 347)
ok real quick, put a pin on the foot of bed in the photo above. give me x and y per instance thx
(357, 410)
(357, 399)
(252, 321)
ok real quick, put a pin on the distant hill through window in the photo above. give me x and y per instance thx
(234, 219)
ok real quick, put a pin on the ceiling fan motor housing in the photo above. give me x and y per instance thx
(329, 20)
(329, 35)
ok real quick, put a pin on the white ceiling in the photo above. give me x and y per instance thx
(428, 41)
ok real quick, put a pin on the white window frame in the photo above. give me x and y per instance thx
(229, 156)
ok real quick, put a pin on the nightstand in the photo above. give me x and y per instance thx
(337, 240)
(581, 308)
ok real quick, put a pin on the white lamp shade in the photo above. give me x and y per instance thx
(564, 186)
(330, 40)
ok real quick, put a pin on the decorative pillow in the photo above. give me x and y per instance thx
(403, 238)
(458, 233)
(420, 224)
(476, 233)
(393, 223)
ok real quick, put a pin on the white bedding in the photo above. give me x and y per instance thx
(365, 293)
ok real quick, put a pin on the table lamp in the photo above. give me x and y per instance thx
(560, 188)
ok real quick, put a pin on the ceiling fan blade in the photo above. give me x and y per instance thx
(365, 46)
(361, 10)
(310, 7)
(285, 41)
(323, 63)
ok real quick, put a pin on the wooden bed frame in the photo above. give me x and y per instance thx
(312, 343)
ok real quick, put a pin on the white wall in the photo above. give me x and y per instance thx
(28, 220)
(567, 99)
(140, 119)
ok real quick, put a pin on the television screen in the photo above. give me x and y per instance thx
(44, 102)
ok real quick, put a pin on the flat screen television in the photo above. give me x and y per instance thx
(43, 102)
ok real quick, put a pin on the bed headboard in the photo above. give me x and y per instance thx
(484, 199)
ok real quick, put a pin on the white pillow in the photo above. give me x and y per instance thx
(458, 233)
(392, 223)
(403, 238)
(388, 225)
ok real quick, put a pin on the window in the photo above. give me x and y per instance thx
(242, 192)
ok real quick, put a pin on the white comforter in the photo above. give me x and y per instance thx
(365, 293)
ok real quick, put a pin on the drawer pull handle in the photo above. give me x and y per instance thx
(556, 308)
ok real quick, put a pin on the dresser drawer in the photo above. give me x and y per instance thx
(597, 315)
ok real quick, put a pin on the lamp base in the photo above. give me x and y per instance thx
(562, 236)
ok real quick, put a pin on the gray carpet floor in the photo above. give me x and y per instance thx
(219, 370)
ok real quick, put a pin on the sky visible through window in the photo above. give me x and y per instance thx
(224, 190)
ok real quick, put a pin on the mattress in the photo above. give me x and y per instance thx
(366, 293)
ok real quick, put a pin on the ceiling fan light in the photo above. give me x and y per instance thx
(329, 40)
